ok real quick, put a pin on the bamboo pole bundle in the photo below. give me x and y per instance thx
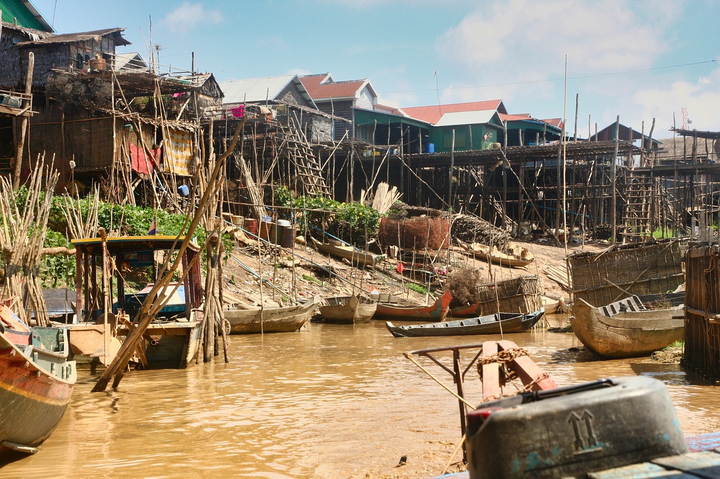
(81, 225)
(21, 239)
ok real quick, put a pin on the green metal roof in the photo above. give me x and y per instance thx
(25, 13)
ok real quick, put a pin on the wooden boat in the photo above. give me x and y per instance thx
(516, 256)
(348, 309)
(355, 255)
(268, 320)
(626, 328)
(490, 324)
(36, 382)
(172, 340)
(435, 312)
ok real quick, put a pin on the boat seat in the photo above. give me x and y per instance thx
(630, 304)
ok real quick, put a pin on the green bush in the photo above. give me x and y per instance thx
(129, 220)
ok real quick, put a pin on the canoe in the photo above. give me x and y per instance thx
(435, 312)
(626, 328)
(268, 320)
(36, 382)
(516, 256)
(355, 255)
(490, 324)
(348, 309)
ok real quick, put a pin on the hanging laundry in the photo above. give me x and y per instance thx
(140, 161)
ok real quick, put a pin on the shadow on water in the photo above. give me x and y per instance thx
(671, 374)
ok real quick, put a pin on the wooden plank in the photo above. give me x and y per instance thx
(701, 464)
(527, 370)
(491, 373)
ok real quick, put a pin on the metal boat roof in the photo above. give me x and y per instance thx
(122, 244)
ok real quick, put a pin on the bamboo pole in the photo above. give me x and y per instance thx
(23, 123)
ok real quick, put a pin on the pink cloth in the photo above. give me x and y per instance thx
(140, 161)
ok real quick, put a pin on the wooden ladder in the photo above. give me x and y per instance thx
(302, 157)
(637, 215)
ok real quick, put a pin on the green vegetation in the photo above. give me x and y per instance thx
(312, 279)
(353, 222)
(417, 288)
(676, 344)
(129, 220)
(661, 233)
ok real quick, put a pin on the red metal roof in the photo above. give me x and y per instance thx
(433, 114)
(322, 87)
(557, 122)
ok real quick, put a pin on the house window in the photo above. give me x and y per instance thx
(461, 139)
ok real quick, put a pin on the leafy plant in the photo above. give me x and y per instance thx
(417, 288)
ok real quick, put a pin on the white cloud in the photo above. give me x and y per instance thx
(518, 45)
(190, 15)
(701, 99)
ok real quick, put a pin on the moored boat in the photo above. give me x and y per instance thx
(491, 324)
(36, 382)
(626, 328)
(348, 309)
(172, 339)
(243, 320)
(435, 312)
(349, 252)
(515, 256)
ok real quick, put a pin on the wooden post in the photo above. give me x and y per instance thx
(613, 176)
(450, 170)
(24, 123)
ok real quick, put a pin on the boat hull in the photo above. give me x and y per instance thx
(485, 252)
(350, 253)
(166, 344)
(32, 399)
(435, 312)
(492, 324)
(272, 320)
(626, 335)
(347, 310)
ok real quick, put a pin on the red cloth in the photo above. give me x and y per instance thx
(141, 161)
(400, 268)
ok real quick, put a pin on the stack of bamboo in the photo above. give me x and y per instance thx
(21, 239)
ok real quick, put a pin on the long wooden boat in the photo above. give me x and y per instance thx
(36, 382)
(355, 255)
(268, 320)
(172, 339)
(516, 256)
(435, 312)
(491, 324)
(626, 328)
(348, 309)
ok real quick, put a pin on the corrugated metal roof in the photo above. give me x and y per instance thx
(466, 118)
(433, 114)
(258, 89)
(82, 36)
(26, 14)
(336, 90)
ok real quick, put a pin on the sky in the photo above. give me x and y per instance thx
(640, 60)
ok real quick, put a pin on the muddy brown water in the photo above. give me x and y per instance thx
(328, 401)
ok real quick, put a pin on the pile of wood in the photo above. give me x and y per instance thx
(472, 229)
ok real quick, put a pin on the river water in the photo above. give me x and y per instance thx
(328, 401)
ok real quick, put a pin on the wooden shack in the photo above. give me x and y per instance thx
(624, 270)
(702, 311)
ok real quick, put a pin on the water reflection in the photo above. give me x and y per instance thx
(329, 401)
